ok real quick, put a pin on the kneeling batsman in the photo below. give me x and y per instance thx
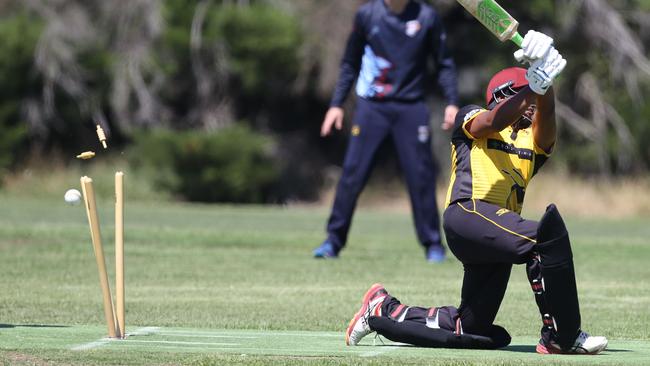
(496, 150)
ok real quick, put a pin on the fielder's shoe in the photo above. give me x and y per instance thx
(326, 250)
(371, 306)
(584, 345)
(435, 254)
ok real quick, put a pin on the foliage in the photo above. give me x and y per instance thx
(273, 63)
(263, 44)
(18, 36)
(257, 45)
(233, 165)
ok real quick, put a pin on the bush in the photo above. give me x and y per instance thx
(233, 165)
(18, 37)
(263, 43)
(258, 47)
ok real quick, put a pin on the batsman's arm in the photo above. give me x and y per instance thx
(544, 124)
(503, 115)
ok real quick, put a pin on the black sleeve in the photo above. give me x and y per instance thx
(446, 67)
(464, 114)
(539, 162)
(351, 62)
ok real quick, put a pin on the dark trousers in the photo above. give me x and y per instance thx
(488, 241)
(408, 125)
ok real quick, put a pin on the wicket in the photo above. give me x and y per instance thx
(115, 320)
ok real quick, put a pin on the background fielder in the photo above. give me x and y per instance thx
(387, 53)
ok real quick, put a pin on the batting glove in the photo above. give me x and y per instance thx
(541, 73)
(536, 45)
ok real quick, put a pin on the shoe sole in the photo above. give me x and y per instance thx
(541, 349)
(364, 306)
(324, 256)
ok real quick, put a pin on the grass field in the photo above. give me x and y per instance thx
(237, 285)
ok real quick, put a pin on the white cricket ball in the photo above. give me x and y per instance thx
(72, 196)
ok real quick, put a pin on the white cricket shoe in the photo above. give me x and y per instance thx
(584, 345)
(371, 306)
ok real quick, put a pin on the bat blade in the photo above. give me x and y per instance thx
(494, 18)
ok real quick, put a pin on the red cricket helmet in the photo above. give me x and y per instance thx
(506, 81)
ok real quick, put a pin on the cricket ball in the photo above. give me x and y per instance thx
(72, 196)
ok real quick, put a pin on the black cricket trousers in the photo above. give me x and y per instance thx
(488, 240)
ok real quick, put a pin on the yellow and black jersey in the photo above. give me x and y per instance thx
(495, 168)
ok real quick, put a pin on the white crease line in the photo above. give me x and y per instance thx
(287, 351)
(96, 344)
(144, 331)
(382, 351)
(199, 335)
(182, 342)
(270, 333)
(103, 341)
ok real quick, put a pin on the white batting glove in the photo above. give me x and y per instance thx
(541, 73)
(534, 46)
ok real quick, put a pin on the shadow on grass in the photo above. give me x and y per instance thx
(520, 348)
(515, 348)
(32, 326)
(531, 349)
(617, 350)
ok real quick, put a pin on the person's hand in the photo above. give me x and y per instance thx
(541, 73)
(334, 116)
(450, 117)
(535, 46)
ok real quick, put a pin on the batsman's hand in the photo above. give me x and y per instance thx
(541, 73)
(333, 117)
(535, 46)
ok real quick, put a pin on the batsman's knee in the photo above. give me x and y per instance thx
(553, 244)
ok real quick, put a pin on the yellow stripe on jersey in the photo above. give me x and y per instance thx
(496, 168)
(452, 176)
(473, 211)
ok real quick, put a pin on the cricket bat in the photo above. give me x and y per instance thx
(494, 18)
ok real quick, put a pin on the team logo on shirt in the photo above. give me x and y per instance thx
(469, 115)
(423, 134)
(502, 211)
(515, 199)
(526, 154)
(373, 32)
(413, 27)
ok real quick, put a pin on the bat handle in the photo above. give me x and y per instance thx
(519, 54)
(517, 39)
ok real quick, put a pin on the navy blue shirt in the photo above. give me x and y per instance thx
(388, 54)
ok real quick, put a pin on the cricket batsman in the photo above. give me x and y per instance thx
(496, 150)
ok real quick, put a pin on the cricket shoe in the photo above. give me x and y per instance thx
(326, 250)
(371, 306)
(435, 254)
(584, 345)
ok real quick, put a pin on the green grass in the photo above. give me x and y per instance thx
(229, 271)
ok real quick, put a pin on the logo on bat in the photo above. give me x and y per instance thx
(491, 18)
